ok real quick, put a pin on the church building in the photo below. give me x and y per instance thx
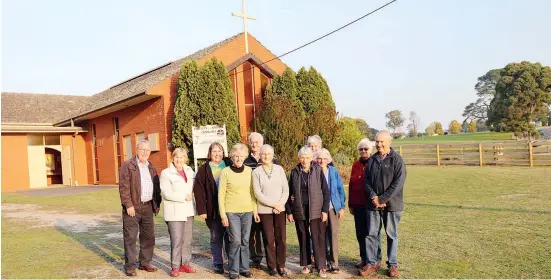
(69, 140)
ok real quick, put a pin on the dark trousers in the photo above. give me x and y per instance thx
(375, 220)
(144, 223)
(255, 242)
(275, 238)
(360, 222)
(218, 239)
(316, 235)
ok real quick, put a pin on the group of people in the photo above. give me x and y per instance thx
(247, 199)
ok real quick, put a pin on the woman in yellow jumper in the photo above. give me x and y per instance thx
(237, 209)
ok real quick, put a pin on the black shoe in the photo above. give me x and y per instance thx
(283, 272)
(219, 268)
(273, 272)
(234, 276)
(247, 274)
(255, 264)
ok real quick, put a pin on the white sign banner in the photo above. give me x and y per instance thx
(203, 136)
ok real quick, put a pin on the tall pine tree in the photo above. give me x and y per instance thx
(319, 107)
(204, 97)
(282, 119)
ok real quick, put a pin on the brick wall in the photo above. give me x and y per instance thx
(146, 117)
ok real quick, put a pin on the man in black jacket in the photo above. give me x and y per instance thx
(384, 184)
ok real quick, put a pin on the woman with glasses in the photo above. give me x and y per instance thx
(358, 200)
(336, 208)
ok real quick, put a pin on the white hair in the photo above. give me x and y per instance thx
(239, 147)
(266, 147)
(256, 134)
(304, 151)
(325, 152)
(141, 142)
(314, 138)
(366, 143)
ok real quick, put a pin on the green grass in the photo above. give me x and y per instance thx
(477, 137)
(41, 252)
(459, 222)
(107, 201)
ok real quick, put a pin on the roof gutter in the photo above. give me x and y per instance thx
(80, 117)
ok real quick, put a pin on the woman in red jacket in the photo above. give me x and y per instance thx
(358, 200)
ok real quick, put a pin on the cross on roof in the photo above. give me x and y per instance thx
(245, 17)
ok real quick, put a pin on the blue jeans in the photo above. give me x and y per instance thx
(360, 222)
(239, 233)
(375, 219)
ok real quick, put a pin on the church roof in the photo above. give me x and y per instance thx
(60, 109)
(38, 108)
(139, 84)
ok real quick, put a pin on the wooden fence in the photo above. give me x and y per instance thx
(478, 154)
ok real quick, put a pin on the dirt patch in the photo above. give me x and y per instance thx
(102, 235)
(46, 218)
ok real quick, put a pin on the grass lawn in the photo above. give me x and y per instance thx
(459, 222)
(477, 137)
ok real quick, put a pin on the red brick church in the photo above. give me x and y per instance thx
(80, 140)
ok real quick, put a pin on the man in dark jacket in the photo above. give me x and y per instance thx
(140, 194)
(384, 184)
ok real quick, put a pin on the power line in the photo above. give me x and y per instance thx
(326, 35)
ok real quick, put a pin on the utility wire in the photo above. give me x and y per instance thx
(319, 38)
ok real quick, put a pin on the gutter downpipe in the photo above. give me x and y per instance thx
(73, 171)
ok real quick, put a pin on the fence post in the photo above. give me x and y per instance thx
(401, 154)
(530, 155)
(480, 154)
(437, 154)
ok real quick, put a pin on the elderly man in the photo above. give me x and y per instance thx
(140, 194)
(256, 140)
(384, 182)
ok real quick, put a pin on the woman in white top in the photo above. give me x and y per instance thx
(178, 210)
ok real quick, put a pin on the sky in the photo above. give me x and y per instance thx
(414, 55)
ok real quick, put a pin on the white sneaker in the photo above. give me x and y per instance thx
(305, 270)
(323, 273)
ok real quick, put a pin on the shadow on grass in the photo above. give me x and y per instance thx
(105, 240)
(481, 208)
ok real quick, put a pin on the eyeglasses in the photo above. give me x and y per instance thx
(363, 149)
(144, 150)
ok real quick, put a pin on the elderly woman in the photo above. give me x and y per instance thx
(358, 200)
(272, 191)
(237, 208)
(205, 189)
(314, 142)
(309, 209)
(178, 210)
(336, 208)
